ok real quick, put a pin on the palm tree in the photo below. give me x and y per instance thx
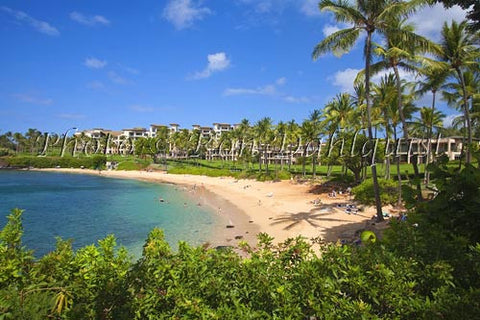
(430, 120)
(386, 98)
(368, 16)
(244, 134)
(307, 132)
(455, 94)
(20, 142)
(433, 80)
(293, 133)
(339, 115)
(262, 130)
(401, 52)
(311, 135)
(281, 140)
(460, 51)
(384, 95)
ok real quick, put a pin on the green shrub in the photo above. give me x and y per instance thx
(132, 165)
(93, 162)
(365, 195)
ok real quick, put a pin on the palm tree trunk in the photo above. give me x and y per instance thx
(429, 137)
(266, 160)
(405, 133)
(303, 160)
(314, 168)
(376, 189)
(399, 175)
(467, 116)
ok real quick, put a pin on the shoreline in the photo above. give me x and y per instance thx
(282, 209)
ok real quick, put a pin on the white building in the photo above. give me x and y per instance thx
(219, 128)
(135, 133)
(174, 127)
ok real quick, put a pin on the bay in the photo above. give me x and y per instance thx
(87, 208)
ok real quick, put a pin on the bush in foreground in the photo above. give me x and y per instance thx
(93, 162)
(365, 195)
(285, 281)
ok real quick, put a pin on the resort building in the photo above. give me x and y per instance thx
(95, 133)
(219, 128)
(205, 132)
(451, 146)
(136, 133)
(122, 142)
(154, 128)
(174, 127)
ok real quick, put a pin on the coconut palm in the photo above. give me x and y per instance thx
(455, 94)
(280, 140)
(460, 51)
(428, 122)
(401, 52)
(308, 135)
(311, 133)
(364, 16)
(293, 134)
(433, 79)
(384, 95)
(339, 116)
(245, 134)
(262, 133)
(386, 98)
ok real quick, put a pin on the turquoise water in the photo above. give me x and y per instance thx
(86, 208)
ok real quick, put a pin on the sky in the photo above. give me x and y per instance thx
(122, 64)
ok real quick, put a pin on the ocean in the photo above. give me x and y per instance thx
(87, 208)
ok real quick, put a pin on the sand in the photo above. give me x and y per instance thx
(281, 209)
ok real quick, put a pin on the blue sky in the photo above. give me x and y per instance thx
(120, 64)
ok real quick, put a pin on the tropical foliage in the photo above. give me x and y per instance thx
(427, 267)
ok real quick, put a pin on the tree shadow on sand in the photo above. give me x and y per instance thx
(347, 232)
(311, 217)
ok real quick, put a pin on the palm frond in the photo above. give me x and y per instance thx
(343, 11)
(338, 43)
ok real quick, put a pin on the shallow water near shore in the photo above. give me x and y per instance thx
(86, 208)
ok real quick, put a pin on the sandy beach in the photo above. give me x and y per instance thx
(283, 209)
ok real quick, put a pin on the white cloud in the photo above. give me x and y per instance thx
(263, 6)
(183, 13)
(71, 116)
(265, 90)
(310, 8)
(447, 121)
(89, 20)
(292, 99)
(140, 108)
(116, 78)
(28, 98)
(40, 26)
(429, 20)
(130, 70)
(95, 63)
(96, 85)
(329, 29)
(216, 62)
(281, 81)
(344, 79)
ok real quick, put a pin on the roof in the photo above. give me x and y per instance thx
(135, 129)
